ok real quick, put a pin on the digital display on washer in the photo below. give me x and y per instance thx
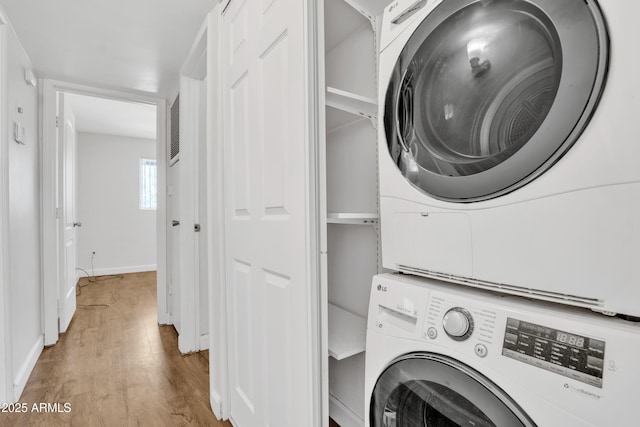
(574, 356)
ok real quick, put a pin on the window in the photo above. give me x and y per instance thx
(148, 184)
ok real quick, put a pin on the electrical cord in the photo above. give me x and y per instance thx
(93, 279)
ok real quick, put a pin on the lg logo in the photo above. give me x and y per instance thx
(382, 288)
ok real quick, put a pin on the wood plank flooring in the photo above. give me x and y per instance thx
(116, 366)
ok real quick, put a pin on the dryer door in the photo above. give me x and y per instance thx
(488, 94)
(425, 389)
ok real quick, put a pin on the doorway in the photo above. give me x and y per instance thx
(115, 186)
(109, 222)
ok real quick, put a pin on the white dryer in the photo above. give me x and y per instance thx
(445, 355)
(509, 146)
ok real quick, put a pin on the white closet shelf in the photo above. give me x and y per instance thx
(368, 8)
(352, 218)
(352, 103)
(347, 333)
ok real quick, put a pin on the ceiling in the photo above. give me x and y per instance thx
(106, 116)
(133, 45)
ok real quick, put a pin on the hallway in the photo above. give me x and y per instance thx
(116, 366)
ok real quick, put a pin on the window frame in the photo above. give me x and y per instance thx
(143, 164)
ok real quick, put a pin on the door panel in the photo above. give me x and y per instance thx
(243, 323)
(240, 152)
(173, 243)
(202, 247)
(279, 299)
(273, 69)
(173, 205)
(267, 214)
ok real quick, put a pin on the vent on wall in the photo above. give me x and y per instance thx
(174, 148)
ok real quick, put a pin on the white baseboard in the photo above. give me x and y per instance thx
(341, 414)
(216, 405)
(204, 342)
(25, 369)
(122, 270)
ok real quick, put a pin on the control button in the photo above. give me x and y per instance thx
(432, 333)
(480, 350)
(458, 323)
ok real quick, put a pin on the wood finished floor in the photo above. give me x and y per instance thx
(116, 366)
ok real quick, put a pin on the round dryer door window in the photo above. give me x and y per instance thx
(487, 95)
(426, 389)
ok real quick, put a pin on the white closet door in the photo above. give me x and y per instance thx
(267, 182)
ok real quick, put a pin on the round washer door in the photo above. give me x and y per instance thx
(425, 389)
(488, 94)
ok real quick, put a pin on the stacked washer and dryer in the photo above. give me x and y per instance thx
(508, 151)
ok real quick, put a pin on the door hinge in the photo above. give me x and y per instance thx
(58, 121)
(196, 228)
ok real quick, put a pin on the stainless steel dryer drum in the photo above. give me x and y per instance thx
(487, 95)
(508, 147)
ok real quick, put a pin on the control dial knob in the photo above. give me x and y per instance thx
(458, 323)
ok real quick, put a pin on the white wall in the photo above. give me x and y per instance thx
(24, 220)
(5, 305)
(122, 235)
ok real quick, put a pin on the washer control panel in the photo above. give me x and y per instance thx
(461, 321)
(568, 354)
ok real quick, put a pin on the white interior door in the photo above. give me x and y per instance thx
(202, 248)
(189, 339)
(67, 202)
(173, 204)
(271, 291)
(193, 248)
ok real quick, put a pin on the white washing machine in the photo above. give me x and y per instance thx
(509, 146)
(445, 355)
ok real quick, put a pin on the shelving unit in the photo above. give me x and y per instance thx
(352, 218)
(352, 103)
(351, 195)
(347, 333)
(370, 9)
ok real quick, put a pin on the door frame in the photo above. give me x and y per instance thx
(218, 342)
(6, 387)
(50, 246)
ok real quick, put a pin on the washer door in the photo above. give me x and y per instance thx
(488, 94)
(425, 389)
